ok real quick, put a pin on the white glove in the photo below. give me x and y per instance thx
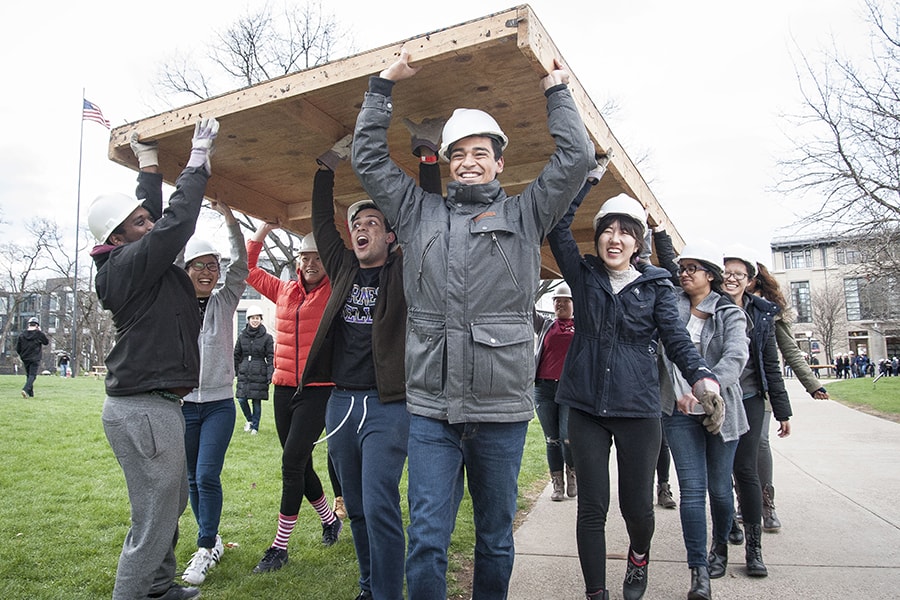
(596, 174)
(205, 132)
(145, 152)
(340, 151)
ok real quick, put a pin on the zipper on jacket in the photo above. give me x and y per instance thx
(422, 260)
(505, 259)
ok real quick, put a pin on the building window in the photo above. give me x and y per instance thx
(847, 256)
(800, 300)
(250, 294)
(798, 259)
(851, 298)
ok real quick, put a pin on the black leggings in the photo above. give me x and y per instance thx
(637, 450)
(746, 474)
(299, 420)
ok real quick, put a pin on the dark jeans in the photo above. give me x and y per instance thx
(664, 461)
(251, 415)
(299, 420)
(746, 458)
(637, 450)
(764, 463)
(31, 372)
(368, 443)
(704, 464)
(554, 420)
(208, 427)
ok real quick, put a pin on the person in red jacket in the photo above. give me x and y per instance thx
(299, 413)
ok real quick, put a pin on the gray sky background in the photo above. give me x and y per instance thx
(701, 88)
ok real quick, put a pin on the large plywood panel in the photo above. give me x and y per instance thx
(272, 132)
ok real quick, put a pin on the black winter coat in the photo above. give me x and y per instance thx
(254, 363)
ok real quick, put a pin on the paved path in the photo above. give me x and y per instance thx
(837, 481)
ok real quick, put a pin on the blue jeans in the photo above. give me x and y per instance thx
(369, 450)
(703, 463)
(554, 420)
(251, 415)
(441, 457)
(207, 432)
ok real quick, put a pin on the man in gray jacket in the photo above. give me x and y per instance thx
(471, 264)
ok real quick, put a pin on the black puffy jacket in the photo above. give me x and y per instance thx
(254, 362)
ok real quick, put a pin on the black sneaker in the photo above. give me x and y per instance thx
(364, 595)
(635, 583)
(331, 532)
(272, 560)
(177, 592)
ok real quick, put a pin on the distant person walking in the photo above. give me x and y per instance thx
(29, 347)
(254, 363)
(63, 364)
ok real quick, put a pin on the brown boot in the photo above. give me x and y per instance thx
(771, 524)
(571, 483)
(664, 496)
(339, 510)
(559, 491)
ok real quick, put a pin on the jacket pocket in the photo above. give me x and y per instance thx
(425, 342)
(503, 359)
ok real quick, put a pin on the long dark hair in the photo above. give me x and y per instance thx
(766, 286)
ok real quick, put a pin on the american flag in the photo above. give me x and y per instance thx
(92, 112)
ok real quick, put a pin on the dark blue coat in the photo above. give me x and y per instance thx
(764, 354)
(611, 369)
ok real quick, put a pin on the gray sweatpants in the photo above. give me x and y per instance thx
(146, 433)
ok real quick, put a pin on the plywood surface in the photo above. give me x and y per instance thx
(271, 133)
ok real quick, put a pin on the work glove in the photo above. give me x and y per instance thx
(595, 174)
(426, 134)
(707, 393)
(145, 152)
(205, 131)
(340, 151)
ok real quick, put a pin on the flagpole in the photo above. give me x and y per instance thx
(75, 356)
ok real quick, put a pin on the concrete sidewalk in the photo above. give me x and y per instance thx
(837, 482)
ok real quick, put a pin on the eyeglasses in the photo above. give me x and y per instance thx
(199, 265)
(690, 269)
(735, 276)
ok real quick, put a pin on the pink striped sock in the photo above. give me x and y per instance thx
(325, 512)
(285, 527)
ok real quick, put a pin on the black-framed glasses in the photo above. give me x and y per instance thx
(735, 276)
(199, 265)
(690, 269)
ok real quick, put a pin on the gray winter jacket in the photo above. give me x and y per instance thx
(725, 346)
(471, 263)
(217, 330)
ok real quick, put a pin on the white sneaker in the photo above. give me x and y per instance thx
(218, 549)
(248, 426)
(253, 432)
(200, 563)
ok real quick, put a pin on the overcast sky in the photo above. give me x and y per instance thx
(701, 87)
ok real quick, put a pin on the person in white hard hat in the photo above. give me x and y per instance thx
(209, 411)
(155, 361)
(554, 337)
(610, 381)
(299, 409)
(30, 346)
(471, 265)
(704, 455)
(761, 382)
(254, 364)
(359, 346)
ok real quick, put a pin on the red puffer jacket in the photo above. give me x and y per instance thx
(297, 316)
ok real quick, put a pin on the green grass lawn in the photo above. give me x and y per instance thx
(64, 509)
(881, 397)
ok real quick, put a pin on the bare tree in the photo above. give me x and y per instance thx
(828, 315)
(261, 44)
(847, 138)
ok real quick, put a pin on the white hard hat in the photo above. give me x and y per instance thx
(254, 311)
(308, 244)
(356, 207)
(465, 122)
(562, 291)
(702, 251)
(199, 247)
(623, 204)
(107, 212)
(744, 254)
